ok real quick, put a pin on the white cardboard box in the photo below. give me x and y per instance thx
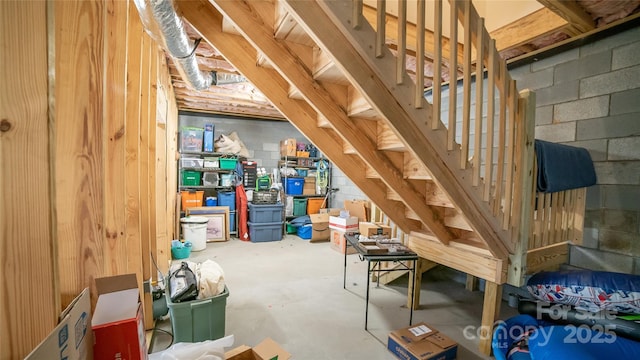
(343, 224)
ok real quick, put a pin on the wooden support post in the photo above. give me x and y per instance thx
(490, 312)
(471, 283)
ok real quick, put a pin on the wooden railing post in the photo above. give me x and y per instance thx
(523, 187)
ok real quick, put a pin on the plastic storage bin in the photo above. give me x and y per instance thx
(228, 164)
(191, 198)
(305, 231)
(232, 222)
(294, 186)
(291, 229)
(198, 320)
(263, 232)
(314, 205)
(194, 229)
(299, 207)
(191, 178)
(227, 198)
(191, 138)
(265, 213)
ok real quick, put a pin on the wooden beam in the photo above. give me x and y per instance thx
(375, 77)
(490, 313)
(572, 12)
(522, 31)
(476, 264)
(248, 22)
(547, 258)
(29, 296)
(242, 55)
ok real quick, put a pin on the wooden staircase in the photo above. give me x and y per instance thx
(459, 194)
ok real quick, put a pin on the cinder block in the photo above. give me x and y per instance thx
(609, 127)
(593, 218)
(583, 67)
(536, 80)
(621, 197)
(626, 56)
(557, 132)
(620, 220)
(556, 59)
(519, 72)
(559, 93)
(614, 41)
(636, 266)
(597, 148)
(624, 148)
(269, 146)
(581, 109)
(619, 80)
(544, 115)
(594, 197)
(625, 102)
(616, 241)
(590, 238)
(600, 260)
(618, 172)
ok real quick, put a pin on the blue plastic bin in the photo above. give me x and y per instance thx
(294, 186)
(227, 198)
(266, 231)
(304, 232)
(265, 213)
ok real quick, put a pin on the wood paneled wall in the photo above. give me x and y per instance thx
(87, 187)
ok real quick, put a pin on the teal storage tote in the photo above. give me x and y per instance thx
(294, 186)
(265, 232)
(265, 213)
(198, 320)
(299, 207)
(228, 164)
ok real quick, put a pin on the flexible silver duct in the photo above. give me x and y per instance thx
(165, 26)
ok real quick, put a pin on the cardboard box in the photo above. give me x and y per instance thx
(369, 229)
(338, 241)
(343, 224)
(266, 350)
(118, 322)
(330, 211)
(209, 130)
(421, 342)
(309, 187)
(358, 208)
(319, 227)
(288, 147)
(72, 339)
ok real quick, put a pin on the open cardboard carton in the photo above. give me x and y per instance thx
(118, 322)
(266, 350)
(421, 342)
(72, 338)
(319, 227)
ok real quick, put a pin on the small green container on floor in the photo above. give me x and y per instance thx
(291, 229)
(198, 320)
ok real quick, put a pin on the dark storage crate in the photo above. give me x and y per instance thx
(266, 231)
(265, 213)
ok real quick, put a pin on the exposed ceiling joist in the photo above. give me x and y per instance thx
(572, 12)
(520, 32)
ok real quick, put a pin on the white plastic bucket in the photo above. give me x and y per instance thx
(194, 229)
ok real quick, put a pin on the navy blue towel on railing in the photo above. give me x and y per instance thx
(563, 167)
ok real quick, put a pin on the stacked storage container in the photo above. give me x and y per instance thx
(228, 198)
(265, 222)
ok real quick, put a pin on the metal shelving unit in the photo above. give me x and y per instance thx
(286, 165)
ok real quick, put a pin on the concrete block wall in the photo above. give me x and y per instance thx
(590, 97)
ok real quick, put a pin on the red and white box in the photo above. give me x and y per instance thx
(118, 322)
(349, 224)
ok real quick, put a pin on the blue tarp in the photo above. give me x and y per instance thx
(563, 167)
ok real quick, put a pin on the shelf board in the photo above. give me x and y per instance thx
(307, 195)
(212, 154)
(296, 158)
(204, 169)
(182, 187)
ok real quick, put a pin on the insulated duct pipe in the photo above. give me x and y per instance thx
(165, 27)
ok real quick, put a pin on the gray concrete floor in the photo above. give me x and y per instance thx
(291, 291)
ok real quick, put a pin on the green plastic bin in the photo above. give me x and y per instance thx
(228, 164)
(191, 178)
(198, 320)
(299, 207)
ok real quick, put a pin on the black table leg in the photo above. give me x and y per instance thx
(366, 311)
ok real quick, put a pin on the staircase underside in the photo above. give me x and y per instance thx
(343, 102)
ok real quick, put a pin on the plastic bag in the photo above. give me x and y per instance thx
(183, 284)
(204, 350)
(211, 279)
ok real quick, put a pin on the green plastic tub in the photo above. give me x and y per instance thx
(198, 320)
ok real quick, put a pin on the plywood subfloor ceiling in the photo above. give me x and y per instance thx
(552, 24)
